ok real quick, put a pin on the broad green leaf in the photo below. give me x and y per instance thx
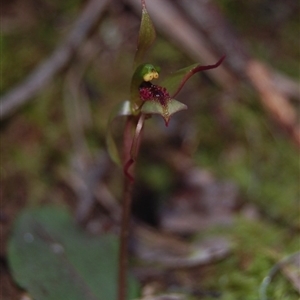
(146, 35)
(166, 111)
(52, 258)
(121, 110)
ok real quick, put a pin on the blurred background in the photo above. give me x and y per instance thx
(224, 174)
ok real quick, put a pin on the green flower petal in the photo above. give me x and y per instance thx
(146, 35)
(176, 81)
(166, 111)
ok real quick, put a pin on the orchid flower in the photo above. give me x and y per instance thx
(147, 98)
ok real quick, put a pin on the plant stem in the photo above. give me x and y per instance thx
(123, 252)
(130, 146)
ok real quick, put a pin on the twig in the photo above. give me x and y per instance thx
(287, 86)
(78, 116)
(74, 108)
(217, 32)
(44, 73)
(273, 100)
(83, 178)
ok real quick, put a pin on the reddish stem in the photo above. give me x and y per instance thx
(126, 169)
(131, 148)
(134, 148)
(123, 250)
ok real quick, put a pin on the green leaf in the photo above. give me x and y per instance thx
(121, 110)
(146, 35)
(166, 111)
(52, 258)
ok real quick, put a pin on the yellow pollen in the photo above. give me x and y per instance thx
(150, 76)
(155, 75)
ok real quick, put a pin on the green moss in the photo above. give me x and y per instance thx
(258, 247)
(261, 160)
(156, 176)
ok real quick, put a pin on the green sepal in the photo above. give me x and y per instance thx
(177, 80)
(166, 111)
(146, 35)
(122, 109)
(172, 82)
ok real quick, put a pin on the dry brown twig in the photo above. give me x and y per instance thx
(273, 100)
(45, 72)
(286, 85)
(78, 116)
